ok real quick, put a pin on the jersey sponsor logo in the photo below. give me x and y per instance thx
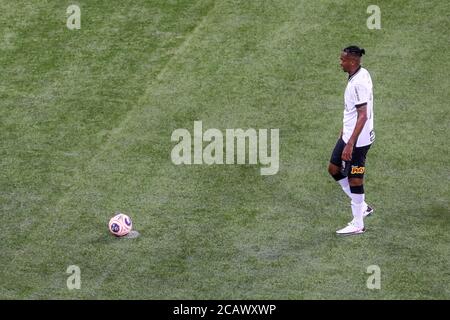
(358, 170)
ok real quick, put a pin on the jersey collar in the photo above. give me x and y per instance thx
(351, 77)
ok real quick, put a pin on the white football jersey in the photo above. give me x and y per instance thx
(358, 92)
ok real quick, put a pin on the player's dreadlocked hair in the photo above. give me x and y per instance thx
(354, 50)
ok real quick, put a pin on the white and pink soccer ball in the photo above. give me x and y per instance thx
(120, 225)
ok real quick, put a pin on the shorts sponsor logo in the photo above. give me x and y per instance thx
(358, 170)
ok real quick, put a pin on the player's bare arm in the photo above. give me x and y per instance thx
(360, 122)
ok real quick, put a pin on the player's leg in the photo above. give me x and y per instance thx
(357, 186)
(358, 197)
(335, 167)
(336, 171)
(356, 182)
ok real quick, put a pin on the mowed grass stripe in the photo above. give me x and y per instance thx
(78, 115)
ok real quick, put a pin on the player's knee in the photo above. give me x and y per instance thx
(333, 169)
(335, 172)
(355, 182)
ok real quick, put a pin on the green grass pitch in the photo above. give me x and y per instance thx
(86, 118)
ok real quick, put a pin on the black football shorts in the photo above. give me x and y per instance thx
(354, 168)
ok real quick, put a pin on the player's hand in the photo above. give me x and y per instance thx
(347, 152)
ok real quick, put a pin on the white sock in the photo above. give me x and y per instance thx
(358, 209)
(346, 187)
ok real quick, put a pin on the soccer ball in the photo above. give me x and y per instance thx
(120, 225)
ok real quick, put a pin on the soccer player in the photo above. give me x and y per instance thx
(347, 163)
